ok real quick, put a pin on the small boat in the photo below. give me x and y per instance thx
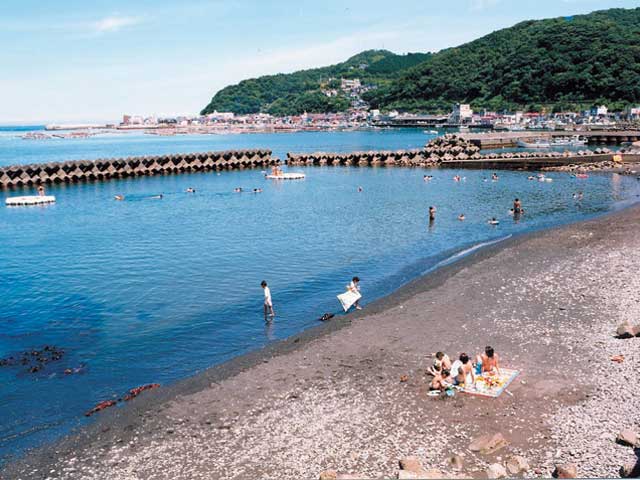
(286, 176)
(30, 200)
(432, 132)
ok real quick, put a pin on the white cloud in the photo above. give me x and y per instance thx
(480, 5)
(113, 23)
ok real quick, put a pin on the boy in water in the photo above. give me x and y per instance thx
(268, 304)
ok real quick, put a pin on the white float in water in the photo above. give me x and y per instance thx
(30, 200)
(286, 176)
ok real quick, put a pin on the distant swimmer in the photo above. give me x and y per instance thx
(461, 217)
(41, 190)
(432, 213)
(531, 177)
(495, 177)
(257, 190)
(157, 197)
(237, 190)
(191, 190)
(359, 189)
(456, 178)
(494, 221)
(119, 197)
(427, 178)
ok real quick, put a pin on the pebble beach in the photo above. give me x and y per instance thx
(348, 399)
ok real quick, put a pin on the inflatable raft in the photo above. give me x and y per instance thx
(30, 200)
(286, 176)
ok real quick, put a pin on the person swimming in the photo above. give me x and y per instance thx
(119, 197)
(237, 190)
(456, 178)
(494, 221)
(461, 217)
(156, 197)
(517, 206)
(495, 177)
(191, 190)
(359, 189)
(427, 178)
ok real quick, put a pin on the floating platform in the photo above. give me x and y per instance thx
(286, 176)
(30, 200)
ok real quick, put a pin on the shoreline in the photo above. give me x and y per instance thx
(114, 427)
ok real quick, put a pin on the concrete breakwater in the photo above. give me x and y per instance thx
(105, 169)
(452, 151)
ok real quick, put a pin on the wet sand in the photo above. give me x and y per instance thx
(331, 397)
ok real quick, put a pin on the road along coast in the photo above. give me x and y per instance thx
(350, 397)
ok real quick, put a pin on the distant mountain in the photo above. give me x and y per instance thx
(565, 62)
(294, 93)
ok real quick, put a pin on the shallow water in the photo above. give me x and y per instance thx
(148, 290)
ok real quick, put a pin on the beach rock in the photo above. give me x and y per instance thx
(630, 470)
(406, 475)
(328, 475)
(566, 470)
(411, 464)
(496, 470)
(517, 464)
(350, 476)
(456, 461)
(625, 330)
(627, 437)
(489, 443)
(636, 330)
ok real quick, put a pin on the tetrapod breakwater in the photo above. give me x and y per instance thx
(106, 169)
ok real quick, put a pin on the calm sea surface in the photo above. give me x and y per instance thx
(149, 290)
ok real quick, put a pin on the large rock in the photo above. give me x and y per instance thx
(496, 470)
(625, 330)
(566, 470)
(627, 437)
(411, 464)
(517, 464)
(487, 444)
(630, 470)
(329, 475)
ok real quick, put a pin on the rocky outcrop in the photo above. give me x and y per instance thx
(566, 470)
(105, 169)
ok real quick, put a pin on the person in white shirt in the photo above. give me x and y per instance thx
(354, 286)
(268, 304)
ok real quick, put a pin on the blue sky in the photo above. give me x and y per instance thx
(74, 60)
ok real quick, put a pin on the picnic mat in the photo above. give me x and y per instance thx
(491, 385)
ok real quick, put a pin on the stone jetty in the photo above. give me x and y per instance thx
(456, 152)
(106, 169)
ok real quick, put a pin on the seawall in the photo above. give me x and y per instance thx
(106, 169)
(455, 159)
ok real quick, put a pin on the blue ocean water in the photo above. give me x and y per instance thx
(147, 290)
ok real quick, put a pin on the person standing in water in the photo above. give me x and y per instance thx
(354, 287)
(268, 304)
(517, 206)
(432, 213)
(41, 190)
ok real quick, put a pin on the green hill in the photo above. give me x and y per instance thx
(294, 93)
(567, 61)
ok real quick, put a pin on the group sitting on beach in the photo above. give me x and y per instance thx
(462, 372)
